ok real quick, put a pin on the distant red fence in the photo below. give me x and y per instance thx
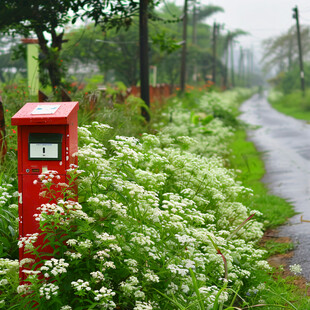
(157, 93)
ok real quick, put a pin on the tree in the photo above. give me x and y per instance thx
(200, 14)
(114, 53)
(227, 43)
(281, 52)
(45, 18)
(40, 18)
(116, 14)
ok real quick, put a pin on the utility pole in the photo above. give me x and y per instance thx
(144, 57)
(194, 38)
(225, 82)
(290, 54)
(214, 39)
(184, 48)
(232, 63)
(252, 66)
(301, 65)
(241, 67)
(248, 69)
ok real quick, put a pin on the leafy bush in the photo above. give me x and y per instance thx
(290, 81)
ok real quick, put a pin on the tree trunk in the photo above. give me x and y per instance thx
(51, 59)
(184, 50)
(144, 57)
(54, 73)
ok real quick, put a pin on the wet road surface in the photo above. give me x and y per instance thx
(285, 142)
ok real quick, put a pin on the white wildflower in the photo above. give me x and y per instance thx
(48, 290)
(295, 269)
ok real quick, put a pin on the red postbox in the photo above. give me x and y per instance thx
(47, 140)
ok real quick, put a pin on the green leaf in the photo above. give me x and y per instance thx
(207, 120)
(196, 288)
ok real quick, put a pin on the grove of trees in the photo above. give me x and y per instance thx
(281, 58)
(105, 40)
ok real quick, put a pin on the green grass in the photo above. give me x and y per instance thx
(294, 104)
(279, 293)
(274, 247)
(245, 158)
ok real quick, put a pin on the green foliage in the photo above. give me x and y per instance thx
(289, 81)
(116, 52)
(119, 15)
(39, 18)
(8, 215)
(124, 117)
(274, 247)
(165, 43)
(51, 17)
(281, 52)
(294, 104)
(93, 82)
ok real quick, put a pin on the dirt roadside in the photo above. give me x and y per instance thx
(282, 261)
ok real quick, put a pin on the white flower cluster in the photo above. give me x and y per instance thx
(6, 193)
(4, 282)
(49, 290)
(73, 255)
(102, 293)
(7, 265)
(48, 176)
(48, 208)
(143, 306)
(132, 264)
(98, 275)
(23, 289)
(209, 294)
(295, 269)
(54, 267)
(151, 276)
(28, 241)
(66, 308)
(81, 285)
(130, 286)
(186, 197)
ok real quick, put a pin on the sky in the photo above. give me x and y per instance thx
(261, 18)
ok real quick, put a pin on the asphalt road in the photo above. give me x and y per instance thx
(285, 142)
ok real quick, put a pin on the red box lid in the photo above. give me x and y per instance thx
(47, 113)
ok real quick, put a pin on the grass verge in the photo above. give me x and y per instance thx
(294, 104)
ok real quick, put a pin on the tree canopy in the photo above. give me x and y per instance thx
(111, 42)
(116, 52)
(281, 52)
(47, 20)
